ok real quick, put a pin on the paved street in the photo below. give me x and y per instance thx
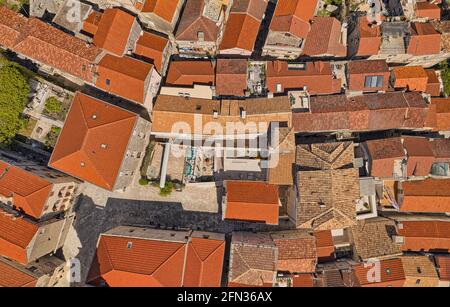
(98, 211)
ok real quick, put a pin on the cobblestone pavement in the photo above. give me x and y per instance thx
(98, 211)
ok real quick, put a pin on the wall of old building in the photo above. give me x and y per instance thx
(134, 154)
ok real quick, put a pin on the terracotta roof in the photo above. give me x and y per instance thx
(442, 113)
(424, 39)
(152, 46)
(383, 154)
(386, 148)
(296, 251)
(433, 85)
(130, 261)
(282, 159)
(367, 112)
(421, 269)
(204, 262)
(372, 238)
(325, 245)
(327, 184)
(429, 195)
(11, 24)
(303, 280)
(169, 110)
(441, 150)
(16, 235)
(10, 276)
(114, 30)
(243, 24)
(325, 38)
(90, 25)
(46, 44)
(391, 274)
(127, 77)
(94, 140)
(162, 8)
(425, 235)
(317, 77)
(420, 156)
(293, 16)
(443, 263)
(413, 78)
(253, 259)
(231, 77)
(190, 73)
(252, 201)
(192, 21)
(367, 67)
(29, 192)
(428, 10)
(369, 38)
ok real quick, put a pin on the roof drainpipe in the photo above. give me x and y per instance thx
(162, 182)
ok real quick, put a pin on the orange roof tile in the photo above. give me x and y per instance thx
(193, 21)
(325, 245)
(90, 25)
(204, 263)
(391, 274)
(231, 77)
(51, 46)
(152, 46)
(424, 39)
(124, 76)
(429, 10)
(11, 276)
(114, 31)
(93, 142)
(252, 201)
(296, 251)
(317, 77)
(190, 73)
(15, 236)
(425, 235)
(433, 85)
(240, 32)
(429, 195)
(413, 78)
(162, 8)
(325, 38)
(11, 24)
(293, 16)
(130, 261)
(29, 192)
(147, 263)
(303, 280)
(369, 37)
(442, 113)
(443, 262)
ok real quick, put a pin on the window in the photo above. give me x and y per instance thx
(279, 88)
(373, 81)
(129, 245)
(108, 82)
(417, 281)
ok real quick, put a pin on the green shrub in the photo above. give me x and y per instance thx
(53, 105)
(144, 181)
(167, 189)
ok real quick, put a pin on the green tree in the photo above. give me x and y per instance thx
(14, 90)
(445, 76)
